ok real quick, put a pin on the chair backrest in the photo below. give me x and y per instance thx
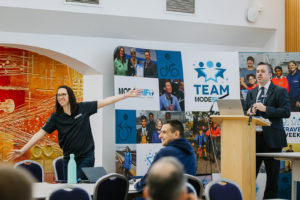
(112, 186)
(190, 189)
(69, 192)
(58, 168)
(223, 189)
(35, 168)
(196, 183)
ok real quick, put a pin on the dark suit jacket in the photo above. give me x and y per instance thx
(150, 70)
(277, 107)
(138, 136)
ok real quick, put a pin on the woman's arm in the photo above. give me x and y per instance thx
(15, 153)
(113, 99)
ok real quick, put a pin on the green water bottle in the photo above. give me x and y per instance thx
(72, 171)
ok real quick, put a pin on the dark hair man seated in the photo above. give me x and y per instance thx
(175, 145)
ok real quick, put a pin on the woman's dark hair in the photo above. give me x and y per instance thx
(72, 100)
(123, 60)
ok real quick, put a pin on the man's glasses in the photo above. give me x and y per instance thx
(61, 95)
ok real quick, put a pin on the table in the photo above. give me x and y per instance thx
(295, 157)
(42, 190)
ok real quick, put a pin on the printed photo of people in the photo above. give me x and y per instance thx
(285, 68)
(126, 160)
(171, 95)
(137, 62)
(149, 124)
(205, 137)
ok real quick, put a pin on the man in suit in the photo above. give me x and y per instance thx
(150, 69)
(271, 102)
(142, 134)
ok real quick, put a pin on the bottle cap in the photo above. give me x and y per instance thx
(71, 155)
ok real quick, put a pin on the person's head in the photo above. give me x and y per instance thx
(15, 184)
(120, 54)
(200, 131)
(292, 66)
(65, 97)
(181, 85)
(251, 79)
(133, 53)
(168, 116)
(171, 131)
(127, 149)
(290, 147)
(168, 86)
(151, 117)
(165, 180)
(278, 71)
(263, 73)
(147, 55)
(158, 124)
(250, 61)
(143, 121)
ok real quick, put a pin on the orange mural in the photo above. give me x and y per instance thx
(28, 84)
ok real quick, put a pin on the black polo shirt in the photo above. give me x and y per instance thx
(74, 132)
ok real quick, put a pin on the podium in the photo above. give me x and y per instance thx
(238, 150)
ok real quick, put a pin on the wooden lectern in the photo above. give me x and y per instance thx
(238, 150)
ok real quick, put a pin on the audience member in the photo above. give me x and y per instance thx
(15, 184)
(175, 145)
(166, 181)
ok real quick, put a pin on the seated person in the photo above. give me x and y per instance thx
(166, 181)
(175, 145)
(15, 184)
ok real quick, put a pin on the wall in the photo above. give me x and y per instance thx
(89, 40)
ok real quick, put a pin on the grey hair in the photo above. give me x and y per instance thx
(167, 187)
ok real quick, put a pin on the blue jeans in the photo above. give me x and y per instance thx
(87, 160)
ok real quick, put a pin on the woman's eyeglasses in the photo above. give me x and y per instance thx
(61, 95)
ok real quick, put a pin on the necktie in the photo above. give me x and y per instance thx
(261, 96)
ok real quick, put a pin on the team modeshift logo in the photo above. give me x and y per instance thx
(215, 84)
(210, 72)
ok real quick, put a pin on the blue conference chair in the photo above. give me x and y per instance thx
(196, 183)
(58, 168)
(35, 168)
(112, 186)
(223, 189)
(69, 192)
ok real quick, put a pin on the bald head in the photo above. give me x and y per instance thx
(165, 180)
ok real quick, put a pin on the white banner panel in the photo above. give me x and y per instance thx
(144, 157)
(149, 100)
(209, 75)
(292, 128)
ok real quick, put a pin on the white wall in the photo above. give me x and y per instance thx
(221, 25)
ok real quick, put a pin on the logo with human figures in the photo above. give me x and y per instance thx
(211, 71)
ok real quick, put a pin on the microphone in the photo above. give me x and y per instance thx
(221, 97)
(171, 99)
